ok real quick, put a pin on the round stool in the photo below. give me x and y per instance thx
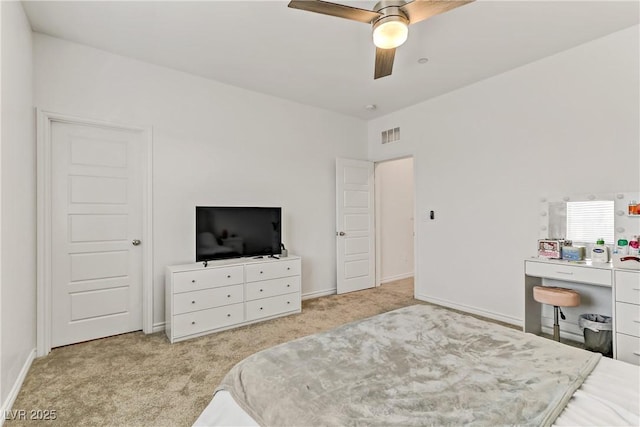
(557, 297)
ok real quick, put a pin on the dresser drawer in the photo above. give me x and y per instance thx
(628, 319)
(205, 320)
(186, 302)
(570, 273)
(271, 306)
(273, 287)
(272, 270)
(186, 281)
(628, 287)
(628, 349)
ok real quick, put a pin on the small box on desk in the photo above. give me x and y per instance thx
(550, 248)
(573, 253)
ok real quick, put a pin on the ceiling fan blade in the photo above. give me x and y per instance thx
(384, 62)
(419, 10)
(334, 9)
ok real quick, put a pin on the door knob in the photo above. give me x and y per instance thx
(136, 242)
(341, 233)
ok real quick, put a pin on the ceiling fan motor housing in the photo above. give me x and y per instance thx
(391, 17)
(388, 9)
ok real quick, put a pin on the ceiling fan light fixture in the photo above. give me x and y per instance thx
(390, 20)
(390, 31)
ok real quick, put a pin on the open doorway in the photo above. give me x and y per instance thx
(394, 217)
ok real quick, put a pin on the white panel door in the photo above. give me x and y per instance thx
(96, 214)
(355, 222)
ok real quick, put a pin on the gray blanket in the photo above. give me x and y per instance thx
(419, 365)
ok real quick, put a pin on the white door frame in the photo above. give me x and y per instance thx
(378, 249)
(44, 167)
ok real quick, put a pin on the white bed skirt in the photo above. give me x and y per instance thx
(610, 396)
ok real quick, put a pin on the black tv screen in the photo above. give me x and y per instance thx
(232, 231)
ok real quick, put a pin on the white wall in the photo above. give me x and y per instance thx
(214, 144)
(394, 219)
(18, 203)
(485, 154)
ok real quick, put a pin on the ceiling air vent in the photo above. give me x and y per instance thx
(391, 135)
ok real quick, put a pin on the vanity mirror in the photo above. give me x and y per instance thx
(588, 217)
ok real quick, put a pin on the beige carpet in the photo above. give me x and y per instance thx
(142, 380)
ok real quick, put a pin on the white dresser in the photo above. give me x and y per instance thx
(229, 293)
(627, 318)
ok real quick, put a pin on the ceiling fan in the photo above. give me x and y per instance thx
(390, 20)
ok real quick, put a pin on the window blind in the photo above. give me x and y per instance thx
(590, 221)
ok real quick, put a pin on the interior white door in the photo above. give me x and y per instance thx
(355, 222)
(96, 218)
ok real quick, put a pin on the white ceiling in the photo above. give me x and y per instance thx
(326, 61)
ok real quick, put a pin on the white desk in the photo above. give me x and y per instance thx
(598, 293)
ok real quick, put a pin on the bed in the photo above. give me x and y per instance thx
(425, 365)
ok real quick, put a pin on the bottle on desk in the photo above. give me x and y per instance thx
(600, 252)
(634, 246)
(622, 247)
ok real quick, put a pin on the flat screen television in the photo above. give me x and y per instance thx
(234, 231)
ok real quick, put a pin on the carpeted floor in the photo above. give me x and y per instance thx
(142, 380)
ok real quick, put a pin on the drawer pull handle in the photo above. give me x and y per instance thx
(228, 315)
(288, 286)
(193, 323)
(288, 268)
(229, 296)
(635, 289)
(288, 302)
(636, 353)
(261, 272)
(228, 276)
(260, 290)
(260, 308)
(636, 321)
(193, 281)
(193, 302)
(570, 273)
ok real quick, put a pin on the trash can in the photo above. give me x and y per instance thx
(598, 330)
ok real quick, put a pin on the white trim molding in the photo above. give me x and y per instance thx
(568, 330)
(158, 327)
(396, 277)
(7, 405)
(473, 310)
(43, 286)
(318, 294)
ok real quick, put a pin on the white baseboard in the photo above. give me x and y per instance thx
(158, 327)
(396, 277)
(473, 310)
(318, 294)
(13, 393)
(564, 334)
(568, 330)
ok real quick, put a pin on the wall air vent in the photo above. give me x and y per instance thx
(391, 135)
